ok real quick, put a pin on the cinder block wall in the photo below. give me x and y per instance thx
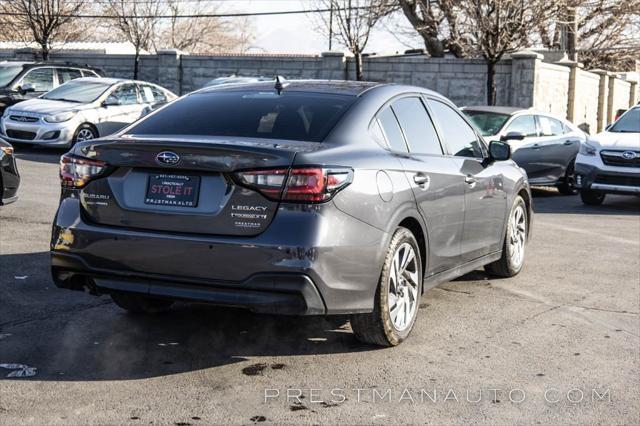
(522, 80)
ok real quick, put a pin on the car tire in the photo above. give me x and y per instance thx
(382, 327)
(566, 187)
(84, 132)
(139, 304)
(592, 198)
(515, 241)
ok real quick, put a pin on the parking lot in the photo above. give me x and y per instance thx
(558, 343)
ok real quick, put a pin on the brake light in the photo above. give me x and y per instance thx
(301, 184)
(76, 172)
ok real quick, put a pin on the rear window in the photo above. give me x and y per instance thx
(293, 115)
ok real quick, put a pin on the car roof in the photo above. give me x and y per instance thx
(507, 110)
(338, 87)
(31, 64)
(109, 80)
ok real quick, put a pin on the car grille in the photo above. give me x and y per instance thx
(20, 134)
(23, 119)
(618, 180)
(615, 158)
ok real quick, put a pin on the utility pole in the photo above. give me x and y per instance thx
(572, 33)
(330, 24)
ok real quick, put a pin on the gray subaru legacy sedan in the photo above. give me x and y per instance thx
(299, 197)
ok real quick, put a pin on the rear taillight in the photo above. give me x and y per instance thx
(300, 184)
(76, 172)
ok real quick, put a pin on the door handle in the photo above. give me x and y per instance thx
(536, 146)
(470, 180)
(421, 179)
(568, 142)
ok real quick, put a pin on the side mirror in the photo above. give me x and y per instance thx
(499, 151)
(26, 88)
(513, 136)
(111, 101)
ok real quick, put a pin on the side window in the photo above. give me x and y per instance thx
(417, 126)
(376, 133)
(67, 74)
(392, 131)
(41, 78)
(525, 124)
(550, 126)
(89, 73)
(459, 136)
(126, 94)
(158, 94)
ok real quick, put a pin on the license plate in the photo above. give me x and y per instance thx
(173, 190)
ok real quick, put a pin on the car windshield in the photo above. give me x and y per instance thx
(489, 123)
(77, 91)
(628, 123)
(292, 115)
(8, 73)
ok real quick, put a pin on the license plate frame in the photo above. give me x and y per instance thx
(172, 190)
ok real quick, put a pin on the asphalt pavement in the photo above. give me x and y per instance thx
(559, 343)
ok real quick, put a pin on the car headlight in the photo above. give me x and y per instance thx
(587, 149)
(59, 118)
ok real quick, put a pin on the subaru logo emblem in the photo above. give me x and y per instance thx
(629, 155)
(168, 158)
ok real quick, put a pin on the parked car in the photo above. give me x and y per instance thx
(303, 197)
(20, 81)
(234, 80)
(544, 145)
(9, 176)
(82, 109)
(609, 162)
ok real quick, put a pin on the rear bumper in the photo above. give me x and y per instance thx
(309, 261)
(286, 294)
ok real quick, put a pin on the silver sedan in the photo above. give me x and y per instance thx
(82, 109)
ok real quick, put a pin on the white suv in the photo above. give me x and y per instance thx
(609, 162)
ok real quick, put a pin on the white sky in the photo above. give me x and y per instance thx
(297, 34)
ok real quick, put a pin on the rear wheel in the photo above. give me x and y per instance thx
(397, 296)
(592, 198)
(515, 241)
(139, 304)
(84, 132)
(567, 187)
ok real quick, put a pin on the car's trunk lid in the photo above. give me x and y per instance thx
(197, 194)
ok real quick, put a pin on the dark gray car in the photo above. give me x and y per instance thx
(310, 198)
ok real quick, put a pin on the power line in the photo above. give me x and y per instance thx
(190, 16)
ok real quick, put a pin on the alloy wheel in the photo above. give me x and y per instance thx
(518, 235)
(403, 287)
(84, 135)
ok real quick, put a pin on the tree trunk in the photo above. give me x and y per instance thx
(44, 51)
(491, 82)
(434, 46)
(136, 64)
(359, 72)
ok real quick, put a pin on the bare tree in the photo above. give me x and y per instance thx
(43, 21)
(437, 22)
(203, 35)
(351, 21)
(600, 33)
(498, 27)
(137, 21)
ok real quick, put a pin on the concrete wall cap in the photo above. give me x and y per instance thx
(332, 54)
(526, 54)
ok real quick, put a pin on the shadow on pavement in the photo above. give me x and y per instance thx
(38, 154)
(72, 336)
